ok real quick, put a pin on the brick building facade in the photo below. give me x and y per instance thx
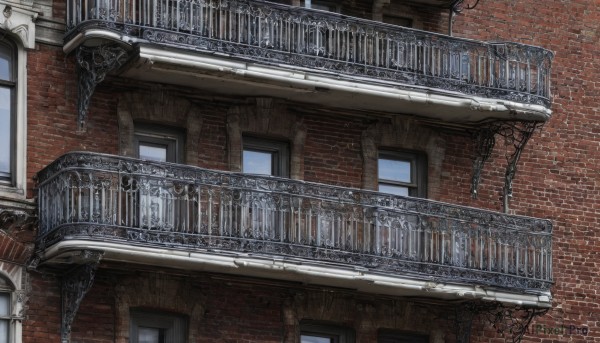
(298, 171)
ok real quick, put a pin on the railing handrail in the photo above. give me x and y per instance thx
(405, 55)
(347, 195)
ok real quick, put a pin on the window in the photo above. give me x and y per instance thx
(329, 6)
(265, 157)
(398, 21)
(391, 336)
(5, 317)
(8, 326)
(151, 327)
(402, 173)
(8, 92)
(311, 332)
(158, 143)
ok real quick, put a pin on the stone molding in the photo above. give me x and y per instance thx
(19, 19)
(159, 107)
(403, 134)
(266, 117)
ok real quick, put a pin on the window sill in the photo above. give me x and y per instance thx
(14, 197)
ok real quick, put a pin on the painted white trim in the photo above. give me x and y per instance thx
(17, 191)
(297, 270)
(162, 58)
(360, 86)
(21, 22)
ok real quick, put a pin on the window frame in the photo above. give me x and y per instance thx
(337, 333)
(159, 135)
(13, 86)
(417, 187)
(176, 325)
(279, 150)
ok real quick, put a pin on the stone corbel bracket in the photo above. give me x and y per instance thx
(20, 21)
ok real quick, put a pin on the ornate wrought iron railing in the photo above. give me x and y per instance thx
(103, 197)
(328, 42)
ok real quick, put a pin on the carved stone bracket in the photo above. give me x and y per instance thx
(93, 65)
(510, 321)
(12, 219)
(516, 135)
(75, 285)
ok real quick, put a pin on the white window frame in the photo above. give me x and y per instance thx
(19, 27)
(15, 188)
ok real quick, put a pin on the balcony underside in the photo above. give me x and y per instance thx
(236, 77)
(195, 219)
(316, 266)
(253, 48)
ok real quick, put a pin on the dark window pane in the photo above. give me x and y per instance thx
(258, 162)
(149, 335)
(399, 21)
(314, 339)
(395, 170)
(4, 325)
(390, 336)
(153, 152)
(5, 65)
(4, 305)
(5, 131)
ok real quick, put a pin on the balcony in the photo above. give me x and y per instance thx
(196, 219)
(257, 48)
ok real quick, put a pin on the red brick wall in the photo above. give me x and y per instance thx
(558, 174)
(52, 108)
(557, 177)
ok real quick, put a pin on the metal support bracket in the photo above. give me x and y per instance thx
(516, 135)
(458, 6)
(510, 321)
(74, 286)
(93, 63)
(485, 141)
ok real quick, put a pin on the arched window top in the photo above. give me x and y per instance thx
(5, 284)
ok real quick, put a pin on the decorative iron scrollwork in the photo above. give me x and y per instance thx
(93, 65)
(510, 321)
(458, 6)
(266, 32)
(75, 285)
(484, 145)
(516, 134)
